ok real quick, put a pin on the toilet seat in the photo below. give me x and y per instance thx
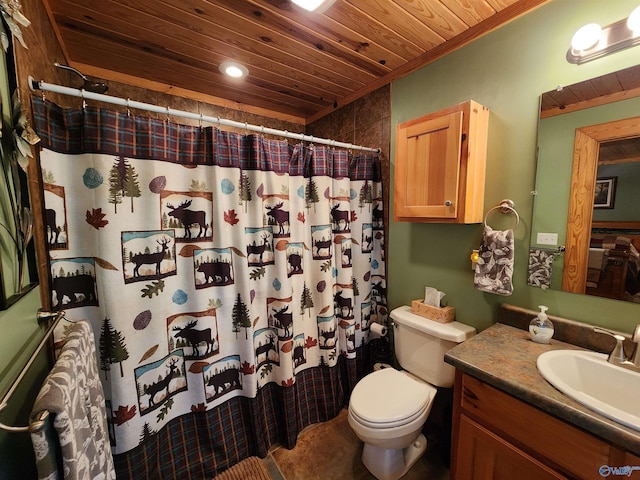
(389, 398)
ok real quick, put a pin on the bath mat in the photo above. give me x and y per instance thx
(251, 468)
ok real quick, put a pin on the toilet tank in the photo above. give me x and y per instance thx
(420, 345)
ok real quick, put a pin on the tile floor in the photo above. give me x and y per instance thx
(331, 451)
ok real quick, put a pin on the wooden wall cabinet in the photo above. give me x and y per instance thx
(498, 437)
(440, 166)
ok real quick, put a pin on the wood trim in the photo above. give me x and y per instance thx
(617, 225)
(583, 177)
(594, 102)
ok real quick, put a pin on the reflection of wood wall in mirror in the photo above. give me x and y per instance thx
(579, 224)
(591, 93)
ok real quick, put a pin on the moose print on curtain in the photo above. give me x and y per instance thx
(214, 267)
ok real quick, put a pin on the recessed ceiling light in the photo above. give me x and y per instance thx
(317, 6)
(234, 69)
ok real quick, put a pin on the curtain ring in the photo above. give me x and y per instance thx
(201, 117)
(168, 114)
(128, 108)
(84, 102)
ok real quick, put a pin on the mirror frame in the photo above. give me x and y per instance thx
(585, 165)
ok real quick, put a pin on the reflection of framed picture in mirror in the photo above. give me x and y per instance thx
(605, 194)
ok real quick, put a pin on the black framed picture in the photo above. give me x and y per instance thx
(605, 193)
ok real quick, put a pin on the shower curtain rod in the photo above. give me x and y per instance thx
(125, 102)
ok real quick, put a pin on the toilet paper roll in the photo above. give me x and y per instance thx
(378, 330)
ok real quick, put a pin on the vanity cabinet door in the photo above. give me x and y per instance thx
(482, 455)
(440, 166)
(560, 446)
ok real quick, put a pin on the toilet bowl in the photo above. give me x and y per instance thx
(387, 411)
(389, 407)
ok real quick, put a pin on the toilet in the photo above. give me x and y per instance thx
(389, 407)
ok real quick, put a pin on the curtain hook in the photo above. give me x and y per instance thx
(128, 108)
(201, 117)
(168, 114)
(84, 102)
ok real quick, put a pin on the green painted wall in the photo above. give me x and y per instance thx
(506, 71)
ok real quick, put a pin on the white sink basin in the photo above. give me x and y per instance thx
(588, 378)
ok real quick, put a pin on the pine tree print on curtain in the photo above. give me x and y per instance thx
(228, 278)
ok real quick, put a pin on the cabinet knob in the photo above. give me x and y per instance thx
(448, 203)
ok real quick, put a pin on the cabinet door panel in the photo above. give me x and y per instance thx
(482, 455)
(428, 175)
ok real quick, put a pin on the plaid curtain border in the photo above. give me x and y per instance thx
(105, 131)
(202, 444)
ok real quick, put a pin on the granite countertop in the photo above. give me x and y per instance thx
(505, 357)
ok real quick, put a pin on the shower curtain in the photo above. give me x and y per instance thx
(230, 280)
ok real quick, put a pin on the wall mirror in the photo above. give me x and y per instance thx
(588, 188)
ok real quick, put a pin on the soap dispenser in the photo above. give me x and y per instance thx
(541, 328)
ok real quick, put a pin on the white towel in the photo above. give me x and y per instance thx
(494, 269)
(73, 396)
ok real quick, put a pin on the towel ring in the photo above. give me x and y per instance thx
(505, 206)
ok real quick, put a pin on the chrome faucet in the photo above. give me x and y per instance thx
(617, 355)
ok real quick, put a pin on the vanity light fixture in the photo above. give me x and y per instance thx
(591, 41)
(234, 70)
(633, 22)
(317, 6)
(586, 37)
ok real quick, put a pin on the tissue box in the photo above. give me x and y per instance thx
(440, 315)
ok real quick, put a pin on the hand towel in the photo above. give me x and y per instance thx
(73, 396)
(540, 268)
(494, 269)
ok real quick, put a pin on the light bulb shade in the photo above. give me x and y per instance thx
(633, 22)
(586, 37)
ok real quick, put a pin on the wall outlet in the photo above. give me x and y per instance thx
(547, 239)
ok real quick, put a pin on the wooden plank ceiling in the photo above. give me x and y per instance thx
(301, 65)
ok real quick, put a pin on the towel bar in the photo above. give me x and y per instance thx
(505, 206)
(5, 400)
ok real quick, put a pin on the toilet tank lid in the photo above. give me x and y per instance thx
(452, 331)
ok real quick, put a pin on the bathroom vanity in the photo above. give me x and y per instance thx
(508, 422)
